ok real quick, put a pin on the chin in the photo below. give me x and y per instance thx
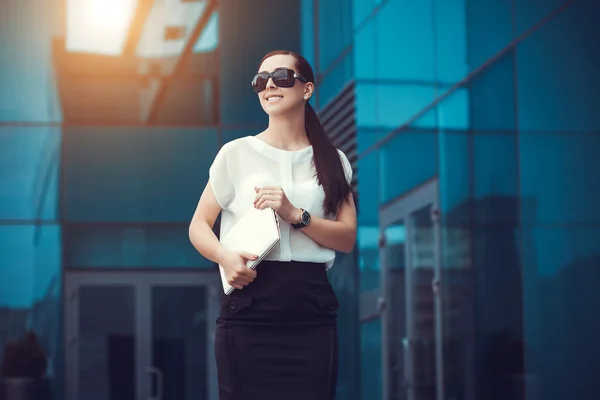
(278, 109)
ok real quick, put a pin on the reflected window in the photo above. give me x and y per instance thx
(209, 39)
(103, 27)
(170, 13)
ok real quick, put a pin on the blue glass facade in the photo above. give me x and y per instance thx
(492, 101)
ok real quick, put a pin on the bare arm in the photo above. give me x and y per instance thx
(200, 230)
(339, 235)
(205, 241)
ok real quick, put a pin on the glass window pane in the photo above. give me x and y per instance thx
(559, 122)
(335, 80)
(365, 50)
(528, 14)
(209, 38)
(388, 106)
(307, 22)
(451, 40)
(405, 41)
(106, 342)
(27, 80)
(179, 340)
(141, 246)
(29, 167)
(343, 278)
(562, 96)
(371, 360)
(30, 264)
(489, 28)
(136, 174)
(31, 289)
(492, 97)
(407, 160)
(164, 13)
(361, 9)
(561, 278)
(335, 34)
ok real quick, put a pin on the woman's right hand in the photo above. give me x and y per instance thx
(237, 273)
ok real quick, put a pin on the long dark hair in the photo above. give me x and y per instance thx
(330, 172)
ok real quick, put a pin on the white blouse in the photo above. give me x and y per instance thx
(248, 162)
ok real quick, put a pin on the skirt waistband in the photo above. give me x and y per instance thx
(283, 292)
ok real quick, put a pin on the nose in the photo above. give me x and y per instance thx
(271, 84)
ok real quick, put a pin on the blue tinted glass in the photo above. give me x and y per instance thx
(31, 289)
(453, 113)
(307, 22)
(404, 41)
(141, 246)
(558, 159)
(492, 97)
(454, 170)
(29, 167)
(30, 265)
(136, 174)
(334, 33)
(385, 105)
(451, 40)
(528, 14)
(489, 29)
(335, 80)
(361, 9)
(371, 360)
(369, 188)
(343, 278)
(495, 162)
(566, 104)
(409, 159)
(27, 77)
(559, 177)
(561, 278)
(558, 121)
(365, 51)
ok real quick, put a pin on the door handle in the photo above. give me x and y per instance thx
(159, 383)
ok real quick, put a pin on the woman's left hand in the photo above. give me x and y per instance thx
(275, 198)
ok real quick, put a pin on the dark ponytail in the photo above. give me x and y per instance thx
(327, 161)
(330, 171)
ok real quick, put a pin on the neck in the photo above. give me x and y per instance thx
(287, 132)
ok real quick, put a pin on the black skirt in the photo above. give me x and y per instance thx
(277, 337)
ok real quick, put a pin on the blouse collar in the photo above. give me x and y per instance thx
(297, 156)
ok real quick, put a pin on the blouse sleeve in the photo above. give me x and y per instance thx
(220, 179)
(347, 166)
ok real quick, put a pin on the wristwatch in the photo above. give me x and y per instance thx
(304, 220)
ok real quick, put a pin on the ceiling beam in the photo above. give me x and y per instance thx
(158, 94)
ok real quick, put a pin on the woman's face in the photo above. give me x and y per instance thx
(277, 100)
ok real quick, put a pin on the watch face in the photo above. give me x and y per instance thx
(305, 218)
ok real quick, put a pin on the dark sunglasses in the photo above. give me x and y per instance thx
(282, 77)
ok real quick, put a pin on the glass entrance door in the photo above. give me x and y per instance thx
(412, 320)
(140, 336)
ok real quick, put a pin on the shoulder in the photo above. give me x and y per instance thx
(234, 145)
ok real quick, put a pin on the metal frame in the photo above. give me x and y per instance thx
(142, 282)
(402, 209)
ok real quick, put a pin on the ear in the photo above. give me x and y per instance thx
(309, 88)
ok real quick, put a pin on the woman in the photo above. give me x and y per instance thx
(276, 335)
